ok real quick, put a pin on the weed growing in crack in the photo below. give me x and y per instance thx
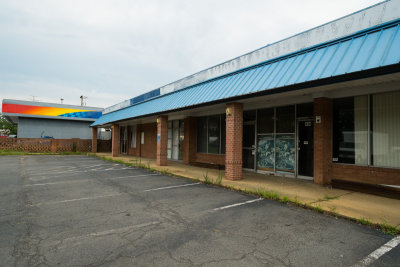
(318, 208)
(364, 221)
(268, 194)
(207, 179)
(219, 178)
(284, 199)
(389, 229)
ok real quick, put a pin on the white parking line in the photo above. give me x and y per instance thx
(63, 174)
(169, 187)
(73, 200)
(108, 232)
(132, 176)
(238, 204)
(62, 182)
(379, 252)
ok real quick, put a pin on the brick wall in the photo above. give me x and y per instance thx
(322, 140)
(38, 145)
(234, 140)
(115, 148)
(212, 159)
(94, 139)
(104, 145)
(149, 148)
(365, 174)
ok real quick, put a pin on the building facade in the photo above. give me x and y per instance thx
(50, 120)
(321, 105)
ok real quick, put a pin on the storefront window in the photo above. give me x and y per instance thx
(285, 119)
(202, 135)
(265, 121)
(211, 134)
(350, 130)
(386, 129)
(285, 152)
(265, 152)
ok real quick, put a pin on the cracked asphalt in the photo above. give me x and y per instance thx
(79, 210)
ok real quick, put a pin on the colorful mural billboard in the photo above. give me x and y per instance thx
(50, 111)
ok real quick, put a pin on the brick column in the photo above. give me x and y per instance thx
(190, 140)
(115, 147)
(162, 140)
(322, 140)
(94, 139)
(234, 140)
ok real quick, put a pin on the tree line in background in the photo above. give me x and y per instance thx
(6, 127)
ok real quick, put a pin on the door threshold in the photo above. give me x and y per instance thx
(305, 177)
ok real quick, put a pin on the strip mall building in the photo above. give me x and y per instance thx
(322, 105)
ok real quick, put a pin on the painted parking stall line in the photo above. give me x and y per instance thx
(133, 176)
(106, 232)
(371, 258)
(238, 204)
(170, 187)
(56, 183)
(73, 200)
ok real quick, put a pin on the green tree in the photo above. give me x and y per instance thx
(7, 127)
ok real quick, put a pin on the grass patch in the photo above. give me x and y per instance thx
(389, 229)
(268, 194)
(219, 179)
(284, 199)
(207, 179)
(318, 208)
(364, 221)
(296, 201)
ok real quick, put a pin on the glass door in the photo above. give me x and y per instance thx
(305, 148)
(249, 147)
(123, 138)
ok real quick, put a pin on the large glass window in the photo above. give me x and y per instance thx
(133, 130)
(285, 119)
(276, 139)
(366, 130)
(202, 135)
(386, 129)
(265, 121)
(350, 130)
(211, 134)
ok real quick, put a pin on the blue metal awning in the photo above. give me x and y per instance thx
(369, 49)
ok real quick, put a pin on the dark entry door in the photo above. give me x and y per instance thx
(249, 146)
(123, 138)
(306, 148)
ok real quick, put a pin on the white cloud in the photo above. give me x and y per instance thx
(114, 50)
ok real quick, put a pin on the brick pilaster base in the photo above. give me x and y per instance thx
(115, 147)
(94, 139)
(322, 140)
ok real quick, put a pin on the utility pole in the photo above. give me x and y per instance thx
(82, 102)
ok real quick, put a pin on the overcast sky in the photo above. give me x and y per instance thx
(111, 51)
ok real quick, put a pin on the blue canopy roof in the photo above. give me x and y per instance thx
(369, 49)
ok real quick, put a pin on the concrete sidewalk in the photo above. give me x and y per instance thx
(349, 204)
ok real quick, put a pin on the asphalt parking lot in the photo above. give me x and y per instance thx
(79, 210)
